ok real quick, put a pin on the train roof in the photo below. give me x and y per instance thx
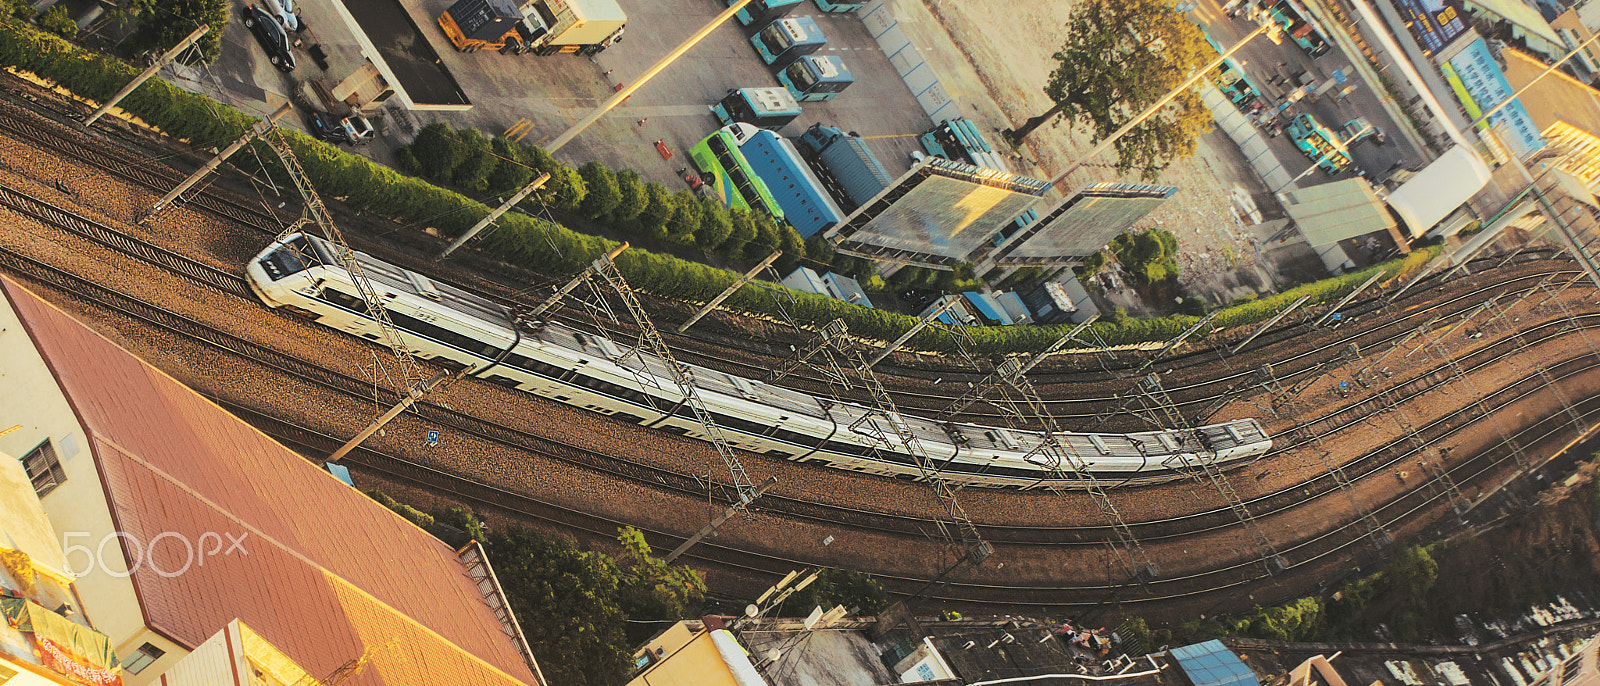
(394, 280)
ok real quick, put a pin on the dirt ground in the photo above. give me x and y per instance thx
(1009, 46)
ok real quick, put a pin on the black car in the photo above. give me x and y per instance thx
(271, 37)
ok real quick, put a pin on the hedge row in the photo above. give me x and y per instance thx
(526, 241)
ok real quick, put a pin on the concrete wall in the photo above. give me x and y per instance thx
(907, 60)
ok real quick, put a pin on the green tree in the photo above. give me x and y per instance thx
(651, 589)
(566, 189)
(715, 225)
(56, 21)
(744, 231)
(438, 150)
(463, 519)
(566, 600)
(793, 247)
(512, 172)
(477, 162)
(658, 211)
(767, 239)
(165, 23)
(1119, 57)
(602, 196)
(686, 215)
(634, 197)
(838, 587)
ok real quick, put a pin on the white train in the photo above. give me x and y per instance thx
(456, 328)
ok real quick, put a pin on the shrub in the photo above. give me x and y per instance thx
(511, 171)
(603, 195)
(476, 164)
(438, 150)
(57, 22)
(415, 516)
(633, 196)
(743, 231)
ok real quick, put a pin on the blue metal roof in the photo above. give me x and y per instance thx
(990, 310)
(1212, 664)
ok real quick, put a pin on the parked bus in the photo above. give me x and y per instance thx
(785, 40)
(761, 12)
(1318, 143)
(1299, 25)
(816, 78)
(768, 108)
(959, 140)
(729, 175)
(830, 6)
(1230, 78)
(806, 205)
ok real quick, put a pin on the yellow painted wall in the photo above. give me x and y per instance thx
(77, 509)
(690, 660)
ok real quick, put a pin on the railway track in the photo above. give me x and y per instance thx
(206, 276)
(68, 141)
(231, 284)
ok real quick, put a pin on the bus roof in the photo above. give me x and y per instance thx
(828, 68)
(766, 102)
(805, 203)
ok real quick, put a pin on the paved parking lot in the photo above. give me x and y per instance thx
(554, 92)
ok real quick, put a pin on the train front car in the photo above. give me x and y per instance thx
(286, 272)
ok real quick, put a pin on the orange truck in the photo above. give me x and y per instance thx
(542, 27)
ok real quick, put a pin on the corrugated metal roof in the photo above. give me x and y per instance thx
(1212, 664)
(1331, 212)
(329, 573)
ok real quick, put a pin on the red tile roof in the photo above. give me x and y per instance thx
(329, 573)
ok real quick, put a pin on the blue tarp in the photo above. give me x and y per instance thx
(1212, 664)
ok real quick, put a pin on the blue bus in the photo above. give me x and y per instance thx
(806, 205)
(759, 12)
(816, 78)
(768, 108)
(829, 6)
(784, 40)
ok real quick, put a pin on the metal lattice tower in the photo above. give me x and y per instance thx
(1376, 531)
(1066, 464)
(410, 371)
(606, 270)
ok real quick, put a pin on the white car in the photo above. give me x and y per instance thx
(284, 11)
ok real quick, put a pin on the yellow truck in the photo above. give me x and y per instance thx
(542, 27)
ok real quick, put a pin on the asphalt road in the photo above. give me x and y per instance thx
(1273, 68)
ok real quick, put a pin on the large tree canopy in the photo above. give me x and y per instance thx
(1120, 57)
(165, 23)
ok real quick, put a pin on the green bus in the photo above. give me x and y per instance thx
(729, 175)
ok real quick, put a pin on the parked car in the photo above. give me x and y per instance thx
(349, 130)
(271, 36)
(284, 11)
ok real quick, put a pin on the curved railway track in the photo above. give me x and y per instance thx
(64, 140)
(1304, 552)
(357, 388)
(231, 284)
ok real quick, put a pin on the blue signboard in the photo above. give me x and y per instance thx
(1434, 22)
(1486, 86)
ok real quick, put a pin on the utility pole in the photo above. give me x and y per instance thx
(258, 130)
(716, 523)
(1157, 105)
(412, 396)
(170, 55)
(502, 209)
(734, 288)
(949, 302)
